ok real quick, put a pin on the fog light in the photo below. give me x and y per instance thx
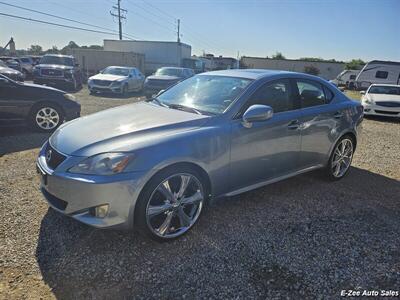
(100, 211)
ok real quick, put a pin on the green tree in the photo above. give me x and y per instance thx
(53, 50)
(311, 70)
(35, 49)
(355, 64)
(70, 45)
(278, 55)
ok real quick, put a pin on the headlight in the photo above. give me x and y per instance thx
(116, 83)
(70, 97)
(103, 164)
(368, 101)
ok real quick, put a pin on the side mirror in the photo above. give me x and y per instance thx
(362, 92)
(257, 113)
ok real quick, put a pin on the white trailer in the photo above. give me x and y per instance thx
(157, 54)
(346, 78)
(378, 72)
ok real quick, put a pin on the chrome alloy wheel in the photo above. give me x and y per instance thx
(342, 157)
(47, 118)
(175, 205)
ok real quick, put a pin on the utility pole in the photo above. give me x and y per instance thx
(178, 32)
(120, 15)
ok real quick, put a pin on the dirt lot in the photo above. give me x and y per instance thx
(300, 238)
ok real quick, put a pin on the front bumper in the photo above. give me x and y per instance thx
(53, 80)
(74, 194)
(105, 89)
(377, 110)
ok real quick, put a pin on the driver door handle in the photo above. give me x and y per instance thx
(295, 124)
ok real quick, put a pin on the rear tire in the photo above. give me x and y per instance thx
(163, 217)
(46, 117)
(341, 158)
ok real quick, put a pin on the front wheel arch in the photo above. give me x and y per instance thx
(204, 176)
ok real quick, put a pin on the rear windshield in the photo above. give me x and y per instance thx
(380, 89)
(57, 60)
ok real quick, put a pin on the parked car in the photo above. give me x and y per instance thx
(382, 100)
(58, 70)
(164, 78)
(44, 108)
(346, 78)
(10, 73)
(378, 72)
(11, 63)
(116, 79)
(154, 164)
(26, 64)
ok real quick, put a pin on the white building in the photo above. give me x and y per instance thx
(157, 54)
(327, 70)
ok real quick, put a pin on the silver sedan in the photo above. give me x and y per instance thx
(154, 165)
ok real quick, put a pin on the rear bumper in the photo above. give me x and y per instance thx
(377, 110)
(74, 195)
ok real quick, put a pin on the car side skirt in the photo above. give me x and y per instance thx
(273, 180)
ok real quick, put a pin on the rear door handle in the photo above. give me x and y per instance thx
(338, 115)
(294, 124)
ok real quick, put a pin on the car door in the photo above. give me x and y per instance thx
(319, 121)
(268, 149)
(14, 104)
(133, 79)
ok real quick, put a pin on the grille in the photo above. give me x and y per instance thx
(102, 82)
(388, 104)
(53, 157)
(51, 72)
(386, 112)
(54, 201)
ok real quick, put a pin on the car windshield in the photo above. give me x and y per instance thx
(205, 93)
(116, 71)
(25, 60)
(381, 89)
(57, 60)
(169, 71)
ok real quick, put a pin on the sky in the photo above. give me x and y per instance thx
(339, 29)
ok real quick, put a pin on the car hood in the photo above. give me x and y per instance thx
(123, 128)
(384, 97)
(107, 77)
(4, 70)
(163, 77)
(62, 67)
(33, 86)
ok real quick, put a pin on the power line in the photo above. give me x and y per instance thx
(119, 15)
(62, 18)
(57, 24)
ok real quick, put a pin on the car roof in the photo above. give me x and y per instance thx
(383, 84)
(59, 55)
(121, 67)
(249, 73)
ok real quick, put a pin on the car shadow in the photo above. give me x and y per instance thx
(20, 138)
(382, 119)
(118, 96)
(267, 240)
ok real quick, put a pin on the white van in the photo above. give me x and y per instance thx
(378, 72)
(346, 78)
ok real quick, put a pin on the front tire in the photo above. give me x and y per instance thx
(171, 203)
(46, 117)
(341, 158)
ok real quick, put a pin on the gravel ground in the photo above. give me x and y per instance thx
(301, 238)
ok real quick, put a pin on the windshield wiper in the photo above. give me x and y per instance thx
(185, 108)
(157, 101)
